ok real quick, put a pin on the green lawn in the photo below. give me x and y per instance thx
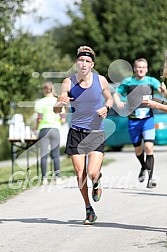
(22, 181)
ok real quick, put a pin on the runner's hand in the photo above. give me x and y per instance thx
(102, 112)
(64, 100)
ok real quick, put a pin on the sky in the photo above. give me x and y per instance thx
(52, 10)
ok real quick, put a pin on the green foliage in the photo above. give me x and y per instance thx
(16, 58)
(19, 184)
(119, 29)
(51, 65)
(5, 148)
(9, 11)
(114, 29)
(21, 56)
(16, 73)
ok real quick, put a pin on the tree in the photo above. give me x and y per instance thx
(12, 51)
(21, 56)
(119, 29)
(51, 65)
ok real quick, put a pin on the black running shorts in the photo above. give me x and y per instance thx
(79, 142)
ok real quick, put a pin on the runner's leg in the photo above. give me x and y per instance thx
(94, 165)
(79, 163)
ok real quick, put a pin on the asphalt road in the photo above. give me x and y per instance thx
(131, 217)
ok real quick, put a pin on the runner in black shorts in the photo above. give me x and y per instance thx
(90, 99)
(82, 141)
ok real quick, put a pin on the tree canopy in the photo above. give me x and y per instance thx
(119, 29)
(21, 55)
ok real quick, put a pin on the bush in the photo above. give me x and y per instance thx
(5, 148)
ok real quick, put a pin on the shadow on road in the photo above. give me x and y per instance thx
(79, 223)
(147, 194)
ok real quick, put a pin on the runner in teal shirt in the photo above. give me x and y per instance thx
(141, 120)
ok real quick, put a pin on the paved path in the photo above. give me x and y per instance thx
(131, 218)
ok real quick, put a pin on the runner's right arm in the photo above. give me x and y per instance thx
(63, 99)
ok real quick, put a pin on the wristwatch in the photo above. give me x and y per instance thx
(108, 108)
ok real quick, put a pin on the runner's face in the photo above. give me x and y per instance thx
(141, 69)
(84, 64)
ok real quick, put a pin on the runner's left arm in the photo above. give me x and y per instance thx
(107, 96)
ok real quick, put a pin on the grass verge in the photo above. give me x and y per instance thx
(23, 181)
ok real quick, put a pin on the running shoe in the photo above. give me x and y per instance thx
(96, 190)
(90, 216)
(142, 175)
(45, 181)
(58, 181)
(151, 184)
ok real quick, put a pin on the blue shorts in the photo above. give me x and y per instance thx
(141, 129)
